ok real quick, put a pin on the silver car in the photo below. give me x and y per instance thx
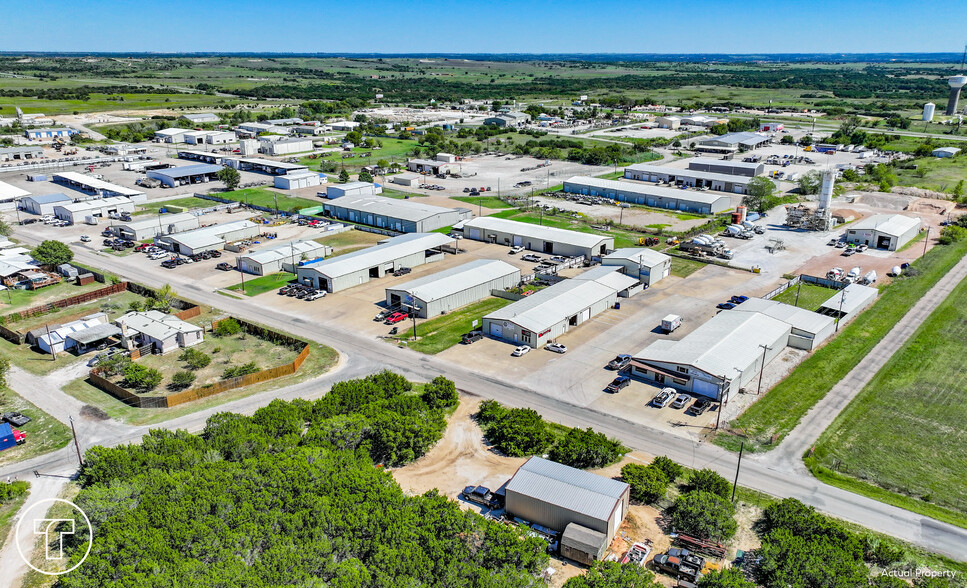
(681, 401)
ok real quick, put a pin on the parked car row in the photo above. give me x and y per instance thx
(302, 292)
(118, 244)
(732, 303)
(431, 187)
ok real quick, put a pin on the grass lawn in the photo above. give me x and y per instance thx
(41, 363)
(348, 239)
(685, 267)
(485, 201)
(915, 407)
(263, 284)
(11, 300)
(781, 409)
(934, 173)
(44, 432)
(444, 331)
(263, 197)
(811, 296)
(320, 360)
(622, 237)
(186, 203)
(8, 510)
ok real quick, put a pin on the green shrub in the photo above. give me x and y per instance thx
(520, 432)
(194, 358)
(227, 328)
(709, 481)
(704, 515)
(648, 483)
(182, 380)
(240, 370)
(115, 365)
(489, 412)
(141, 378)
(583, 448)
(672, 470)
(440, 393)
(11, 490)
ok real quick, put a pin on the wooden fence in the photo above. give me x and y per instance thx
(133, 399)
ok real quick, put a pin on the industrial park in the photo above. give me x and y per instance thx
(475, 320)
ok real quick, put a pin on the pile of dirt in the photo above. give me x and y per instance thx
(932, 206)
(920, 192)
(886, 201)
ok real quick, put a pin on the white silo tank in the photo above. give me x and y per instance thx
(928, 110)
(826, 192)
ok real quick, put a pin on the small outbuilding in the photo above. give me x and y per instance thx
(282, 257)
(884, 231)
(648, 265)
(945, 152)
(298, 180)
(582, 544)
(411, 180)
(351, 189)
(848, 302)
(201, 118)
(450, 289)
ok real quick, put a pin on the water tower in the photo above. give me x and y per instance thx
(928, 110)
(956, 83)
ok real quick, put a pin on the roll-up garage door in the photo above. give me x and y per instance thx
(703, 388)
(495, 330)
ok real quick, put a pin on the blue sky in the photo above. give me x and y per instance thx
(501, 26)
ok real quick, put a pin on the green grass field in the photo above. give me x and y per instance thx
(443, 332)
(783, 407)
(915, 408)
(186, 203)
(8, 510)
(347, 239)
(491, 202)
(263, 284)
(13, 299)
(685, 267)
(811, 296)
(393, 150)
(263, 197)
(44, 432)
(933, 173)
(622, 237)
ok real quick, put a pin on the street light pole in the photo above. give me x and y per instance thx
(762, 368)
(77, 446)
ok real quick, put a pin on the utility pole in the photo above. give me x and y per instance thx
(737, 466)
(926, 240)
(76, 445)
(798, 290)
(53, 355)
(762, 367)
(238, 266)
(842, 299)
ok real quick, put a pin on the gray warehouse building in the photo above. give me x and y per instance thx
(271, 260)
(164, 224)
(186, 174)
(350, 189)
(654, 196)
(648, 265)
(717, 358)
(848, 302)
(537, 238)
(732, 142)
(43, 203)
(809, 329)
(212, 237)
(404, 216)
(77, 212)
(358, 267)
(556, 496)
(695, 178)
(448, 290)
(726, 166)
(549, 313)
(884, 231)
(614, 277)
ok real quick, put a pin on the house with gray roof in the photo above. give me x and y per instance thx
(164, 332)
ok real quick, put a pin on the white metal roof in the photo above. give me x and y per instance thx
(556, 235)
(49, 198)
(8, 192)
(608, 275)
(271, 163)
(457, 279)
(800, 318)
(386, 252)
(568, 488)
(657, 191)
(94, 204)
(553, 304)
(171, 131)
(284, 251)
(156, 324)
(888, 224)
(647, 257)
(852, 298)
(211, 235)
(408, 210)
(353, 185)
(688, 173)
(155, 221)
(94, 184)
(728, 163)
(725, 344)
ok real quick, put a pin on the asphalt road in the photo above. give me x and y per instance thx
(361, 356)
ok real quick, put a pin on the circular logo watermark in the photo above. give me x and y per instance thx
(57, 529)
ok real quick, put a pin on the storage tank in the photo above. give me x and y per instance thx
(743, 211)
(826, 192)
(928, 110)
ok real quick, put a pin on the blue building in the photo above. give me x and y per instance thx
(50, 133)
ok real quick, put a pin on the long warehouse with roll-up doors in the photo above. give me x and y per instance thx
(211, 237)
(549, 313)
(404, 216)
(186, 174)
(693, 178)
(809, 329)
(649, 195)
(648, 265)
(44, 203)
(163, 224)
(78, 212)
(358, 267)
(450, 289)
(548, 240)
(279, 257)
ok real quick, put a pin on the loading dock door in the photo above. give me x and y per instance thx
(883, 242)
(585, 314)
(496, 331)
(703, 388)
(518, 240)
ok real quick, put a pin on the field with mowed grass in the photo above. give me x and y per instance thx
(44, 432)
(263, 284)
(444, 331)
(781, 409)
(905, 431)
(263, 197)
(810, 296)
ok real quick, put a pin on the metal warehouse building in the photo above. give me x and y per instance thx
(549, 313)
(648, 265)
(186, 174)
(555, 496)
(77, 212)
(884, 231)
(86, 183)
(848, 302)
(44, 203)
(450, 289)
(149, 228)
(297, 180)
(353, 269)
(717, 358)
(809, 329)
(537, 238)
(266, 166)
(726, 167)
(404, 216)
(286, 146)
(172, 135)
(17, 153)
(350, 189)
(213, 237)
(654, 196)
(736, 184)
(9, 193)
(271, 260)
(613, 277)
(732, 142)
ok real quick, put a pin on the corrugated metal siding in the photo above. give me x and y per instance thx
(550, 515)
